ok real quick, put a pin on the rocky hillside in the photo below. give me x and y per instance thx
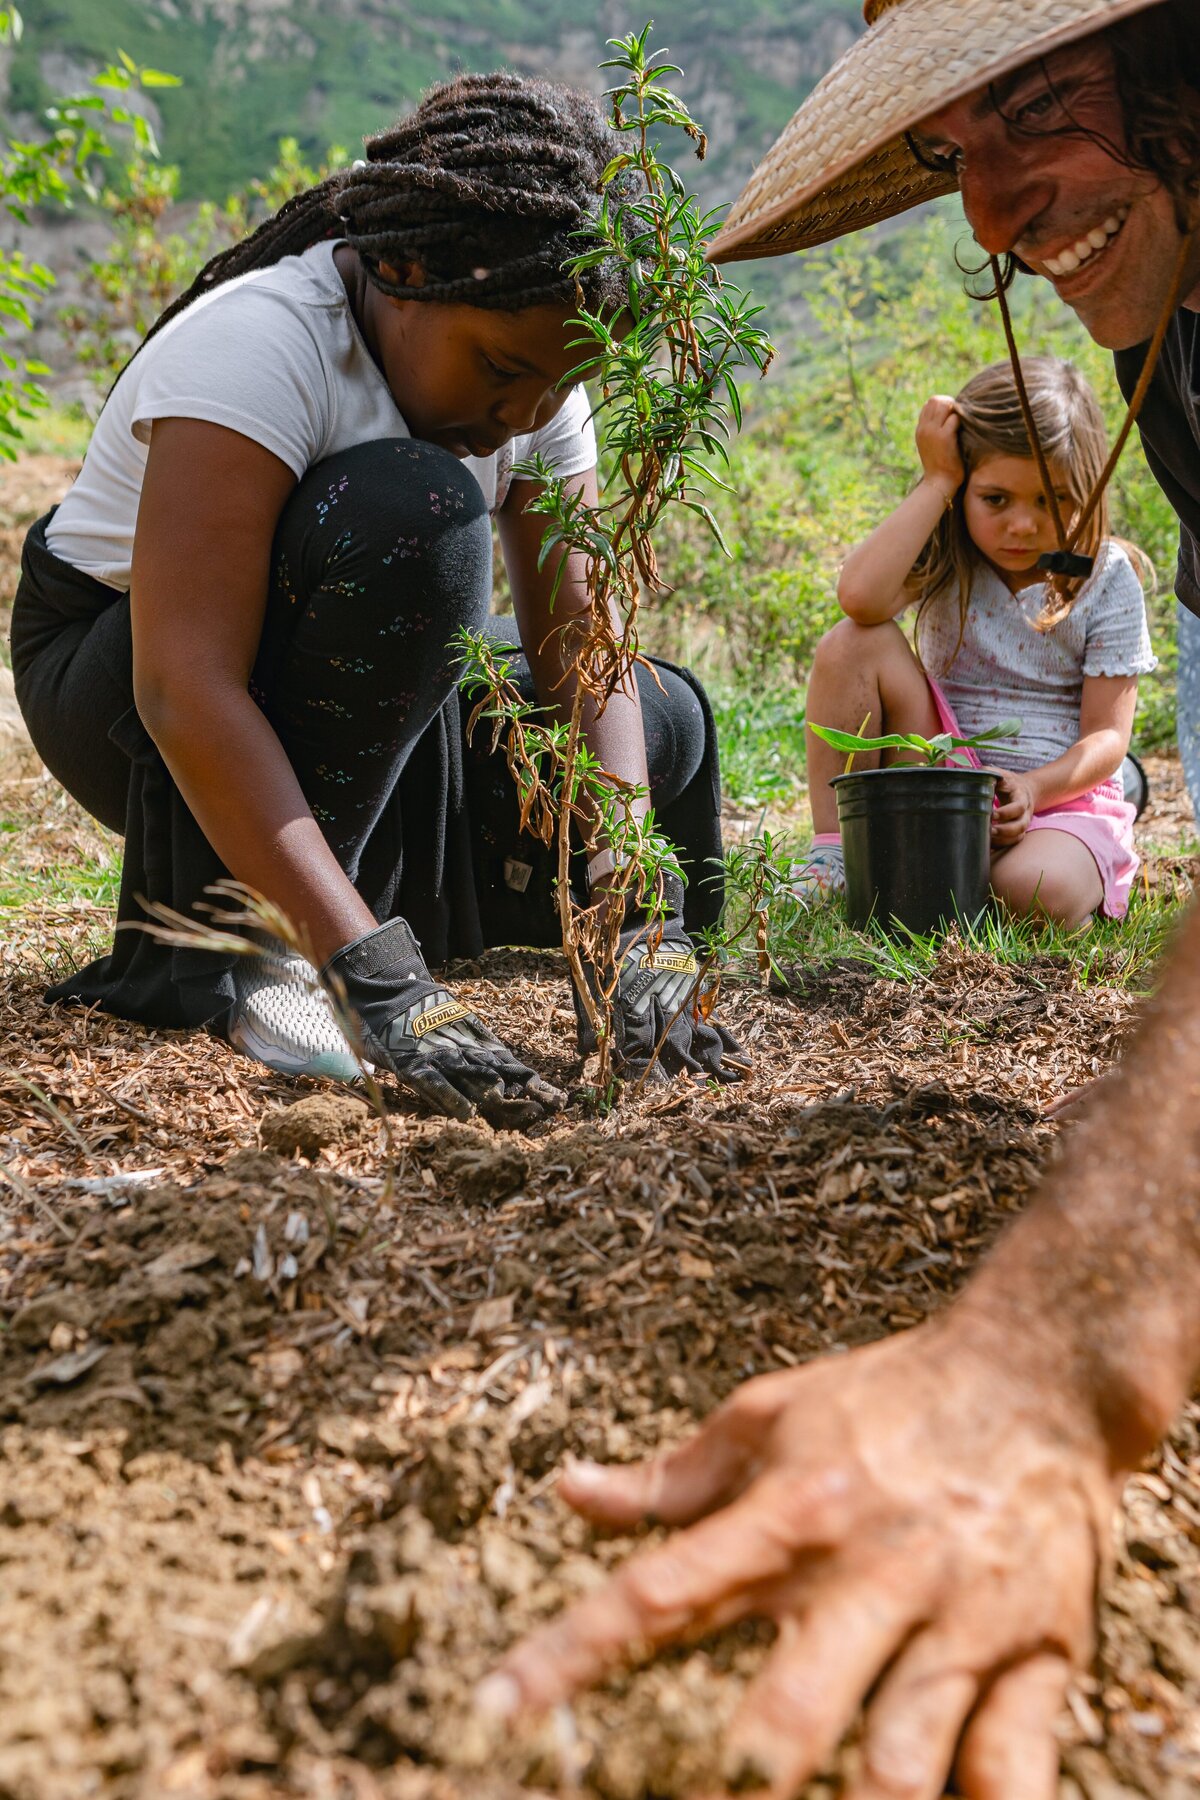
(328, 71)
(255, 70)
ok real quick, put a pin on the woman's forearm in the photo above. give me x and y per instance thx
(553, 610)
(1099, 1283)
(871, 584)
(615, 736)
(240, 787)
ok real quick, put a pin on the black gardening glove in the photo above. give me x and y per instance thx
(433, 1044)
(656, 1004)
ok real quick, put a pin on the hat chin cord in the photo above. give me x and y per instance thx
(1066, 563)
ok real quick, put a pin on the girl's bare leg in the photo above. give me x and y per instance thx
(1049, 872)
(861, 672)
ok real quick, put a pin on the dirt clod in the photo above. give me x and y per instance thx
(318, 1122)
(276, 1634)
(478, 1164)
(459, 1477)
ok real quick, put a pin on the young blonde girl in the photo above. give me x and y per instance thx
(992, 642)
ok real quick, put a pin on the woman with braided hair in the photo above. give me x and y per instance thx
(232, 640)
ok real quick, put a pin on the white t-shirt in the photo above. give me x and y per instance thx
(278, 356)
(1004, 669)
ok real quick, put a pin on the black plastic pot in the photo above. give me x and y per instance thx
(916, 841)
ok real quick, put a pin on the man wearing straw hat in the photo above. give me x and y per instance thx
(926, 1518)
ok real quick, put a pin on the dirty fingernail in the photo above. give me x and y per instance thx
(498, 1696)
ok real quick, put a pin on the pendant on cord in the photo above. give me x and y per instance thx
(1067, 562)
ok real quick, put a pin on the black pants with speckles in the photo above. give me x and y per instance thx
(382, 553)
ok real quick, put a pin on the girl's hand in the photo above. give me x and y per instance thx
(937, 444)
(1016, 805)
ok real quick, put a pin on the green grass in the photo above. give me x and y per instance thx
(95, 881)
(1112, 953)
(1119, 953)
(56, 913)
(761, 734)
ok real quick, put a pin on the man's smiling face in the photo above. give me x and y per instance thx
(1040, 162)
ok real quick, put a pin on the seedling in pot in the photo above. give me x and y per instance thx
(916, 849)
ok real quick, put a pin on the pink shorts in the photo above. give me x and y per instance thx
(1102, 819)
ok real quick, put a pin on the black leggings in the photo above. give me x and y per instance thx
(382, 553)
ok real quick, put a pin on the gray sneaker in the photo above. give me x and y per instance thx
(282, 1017)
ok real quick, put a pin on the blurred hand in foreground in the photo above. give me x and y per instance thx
(924, 1525)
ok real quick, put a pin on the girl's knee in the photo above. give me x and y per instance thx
(1066, 894)
(853, 645)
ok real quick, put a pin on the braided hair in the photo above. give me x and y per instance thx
(482, 186)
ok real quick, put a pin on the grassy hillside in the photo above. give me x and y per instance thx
(253, 72)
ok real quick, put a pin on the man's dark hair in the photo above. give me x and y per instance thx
(1157, 57)
(482, 186)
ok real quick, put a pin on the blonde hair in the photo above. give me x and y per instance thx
(1070, 427)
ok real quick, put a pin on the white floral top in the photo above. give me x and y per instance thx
(1004, 669)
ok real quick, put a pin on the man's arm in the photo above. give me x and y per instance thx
(1106, 1266)
(926, 1518)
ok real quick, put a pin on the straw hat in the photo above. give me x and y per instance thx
(842, 162)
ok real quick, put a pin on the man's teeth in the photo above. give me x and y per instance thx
(1072, 258)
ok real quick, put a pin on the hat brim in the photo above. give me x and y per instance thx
(843, 161)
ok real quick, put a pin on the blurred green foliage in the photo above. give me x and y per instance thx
(55, 164)
(252, 74)
(148, 263)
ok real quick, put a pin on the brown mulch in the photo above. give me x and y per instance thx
(283, 1390)
(279, 1431)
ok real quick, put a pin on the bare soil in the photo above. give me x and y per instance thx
(283, 1389)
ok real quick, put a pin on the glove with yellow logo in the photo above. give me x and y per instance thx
(434, 1045)
(656, 1006)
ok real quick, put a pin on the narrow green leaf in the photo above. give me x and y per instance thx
(735, 399)
(851, 743)
(614, 168)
